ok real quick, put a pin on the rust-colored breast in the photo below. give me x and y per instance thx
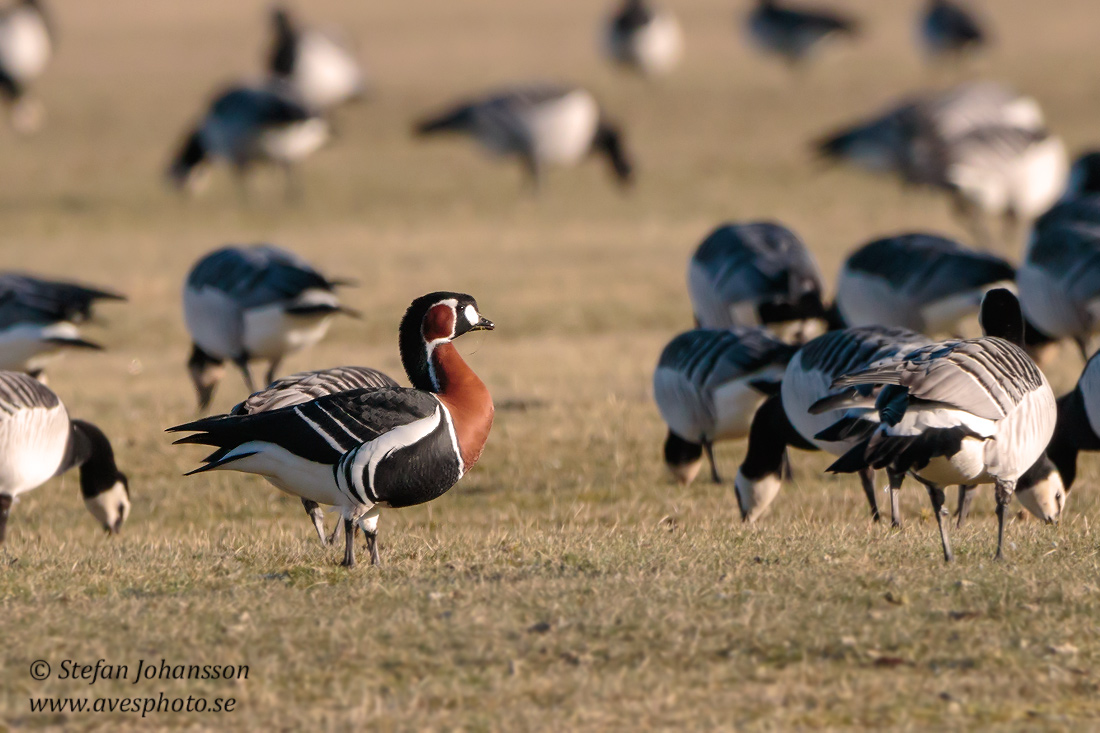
(468, 400)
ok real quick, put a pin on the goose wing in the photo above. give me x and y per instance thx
(46, 301)
(19, 391)
(305, 386)
(256, 276)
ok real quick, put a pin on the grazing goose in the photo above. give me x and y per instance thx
(304, 387)
(38, 318)
(38, 440)
(1078, 425)
(245, 126)
(321, 72)
(949, 29)
(25, 49)
(1060, 279)
(541, 125)
(371, 448)
(708, 383)
(644, 38)
(960, 412)
(793, 32)
(754, 274)
(982, 144)
(258, 302)
(785, 419)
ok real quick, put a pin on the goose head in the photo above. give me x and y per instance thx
(431, 321)
(106, 490)
(683, 458)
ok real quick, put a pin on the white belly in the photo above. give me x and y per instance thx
(32, 446)
(24, 45)
(561, 132)
(271, 332)
(25, 347)
(214, 322)
(288, 472)
(291, 143)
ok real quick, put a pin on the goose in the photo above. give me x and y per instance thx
(257, 302)
(26, 45)
(708, 383)
(644, 38)
(785, 419)
(1078, 426)
(322, 72)
(962, 412)
(39, 318)
(947, 28)
(542, 125)
(794, 32)
(304, 387)
(367, 449)
(38, 440)
(982, 144)
(752, 274)
(1084, 176)
(246, 125)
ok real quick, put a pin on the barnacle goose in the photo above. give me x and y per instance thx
(26, 45)
(982, 144)
(257, 302)
(644, 38)
(38, 440)
(321, 71)
(947, 28)
(39, 318)
(961, 412)
(785, 419)
(247, 125)
(708, 383)
(304, 387)
(542, 125)
(1078, 425)
(366, 449)
(757, 273)
(793, 32)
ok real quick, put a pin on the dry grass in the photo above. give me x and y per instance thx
(565, 584)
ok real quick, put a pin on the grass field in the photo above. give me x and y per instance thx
(566, 583)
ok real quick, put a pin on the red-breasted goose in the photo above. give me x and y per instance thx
(38, 440)
(753, 274)
(792, 32)
(257, 302)
(961, 412)
(947, 28)
(39, 318)
(644, 38)
(367, 449)
(708, 384)
(320, 70)
(785, 419)
(245, 126)
(304, 387)
(542, 125)
(26, 46)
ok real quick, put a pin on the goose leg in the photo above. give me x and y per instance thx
(349, 544)
(936, 494)
(533, 174)
(313, 509)
(895, 477)
(242, 364)
(709, 448)
(1082, 344)
(5, 509)
(1004, 490)
(369, 524)
(966, 497)
(867, 478)
(271, 370)
(335, 531)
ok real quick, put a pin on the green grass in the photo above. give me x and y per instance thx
(566, 583)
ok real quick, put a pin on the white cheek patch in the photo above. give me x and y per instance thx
(472, 315)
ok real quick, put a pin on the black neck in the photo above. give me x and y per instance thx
(1072, 434)
(414, 353)
(90, 449)
(608, 141)
(769, 436)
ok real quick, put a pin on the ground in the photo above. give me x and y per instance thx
(566, 583)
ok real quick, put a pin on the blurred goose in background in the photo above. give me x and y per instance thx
(320, 71)
(26, 46)
(785, 419)
(369, 449)
(756, 274)
(245, 126)
(305, 387)
(542, 125)
(38, 440)
(708, 384)
(1078, 425)
(644, 38)
(257, 302)
(981, 143)
(961, 412)
(38, 318)
(1084, 176)
(793, 32)
(948, 29)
